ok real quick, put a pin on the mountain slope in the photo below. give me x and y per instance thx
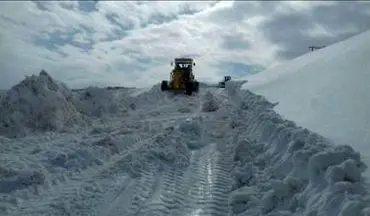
(325, 91)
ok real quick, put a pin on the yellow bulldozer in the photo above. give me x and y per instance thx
(182, 77)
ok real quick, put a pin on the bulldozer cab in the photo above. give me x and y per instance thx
(184, 64)
(183, 70)
(181, 78)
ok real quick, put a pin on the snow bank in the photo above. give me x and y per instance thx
(209, 103)
(291, 170)
(148, 97)
(325, 91)
(38, 103)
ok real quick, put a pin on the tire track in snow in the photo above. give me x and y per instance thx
(133, 197)
(207, 189)
(202, 189)
(164, 196)
(153, 194)
(148, 195)
(59, 195)
(143, 190)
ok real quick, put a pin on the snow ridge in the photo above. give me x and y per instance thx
(299, 172)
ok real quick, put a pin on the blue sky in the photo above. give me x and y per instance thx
(132, 43)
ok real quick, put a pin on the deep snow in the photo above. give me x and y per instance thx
(145, 152)
(325, 91)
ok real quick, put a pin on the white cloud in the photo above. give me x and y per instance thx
(132, 43)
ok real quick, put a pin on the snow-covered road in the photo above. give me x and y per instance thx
(221, 152)
(201, 188)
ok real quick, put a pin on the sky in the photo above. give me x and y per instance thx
(127, 43)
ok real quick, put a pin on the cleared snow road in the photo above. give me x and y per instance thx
(197, 183)
(222, 152)
(199, 189)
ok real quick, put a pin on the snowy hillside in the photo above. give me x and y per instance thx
(325, 91)
(145, 152)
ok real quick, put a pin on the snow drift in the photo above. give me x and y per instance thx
(325, 91)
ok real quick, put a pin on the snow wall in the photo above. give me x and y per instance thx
(325, 91)
(310, 175)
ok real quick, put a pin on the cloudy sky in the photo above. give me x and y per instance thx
(132, 43)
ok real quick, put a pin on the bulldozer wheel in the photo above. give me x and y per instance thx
(189, 88)
(196, 86)
(164, 85)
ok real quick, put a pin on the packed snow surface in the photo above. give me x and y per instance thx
(219, 152)
(326, 91)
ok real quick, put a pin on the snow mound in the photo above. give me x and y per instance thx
(136, 92)
(209, 103)
(291, 170)
(97, 102)
(38, 103)
(150, 96)
(192, 132)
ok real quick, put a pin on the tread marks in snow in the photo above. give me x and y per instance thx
(201, 189)
(165, 196)
(205, 188)
(142, 191)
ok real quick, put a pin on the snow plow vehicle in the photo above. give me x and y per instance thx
(223, 83)
(182, 78)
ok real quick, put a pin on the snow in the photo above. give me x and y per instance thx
(313, 176)
(325, 91)
(217, 152)
(209, 103)
(37, 103)
(96, 102)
